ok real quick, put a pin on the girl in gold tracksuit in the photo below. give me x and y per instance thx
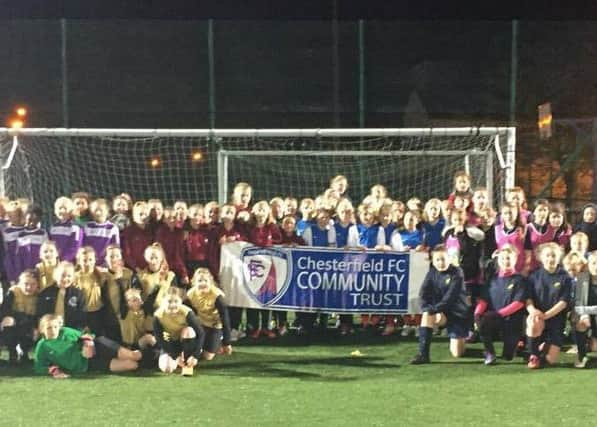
(92, 283)
(178, 333)
(119, 279)
(48, 254)
(18, 316)
(157, 278)
(207, 300)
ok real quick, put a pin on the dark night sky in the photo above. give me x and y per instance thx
(287, 73)
(285, 64)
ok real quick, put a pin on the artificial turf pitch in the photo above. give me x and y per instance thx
(316, 381)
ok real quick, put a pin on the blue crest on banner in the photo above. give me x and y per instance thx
(266, 273)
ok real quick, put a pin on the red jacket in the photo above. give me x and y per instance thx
(453, 195)
(214, 244)
(197, 243)
(240, 209)
(134, 240)
(268, 235)
(174, 246)
(292, 239)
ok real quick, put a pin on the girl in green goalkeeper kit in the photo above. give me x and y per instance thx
(63, 351)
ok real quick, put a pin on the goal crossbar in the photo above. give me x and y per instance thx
(308, 133)
(355, 153)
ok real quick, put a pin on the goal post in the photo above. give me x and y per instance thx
(198, 165)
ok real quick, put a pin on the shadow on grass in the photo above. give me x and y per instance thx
(460, 361)
(329, 338)
(12, 371)
(274, 372)
(297, 367)
(360, 362)
(474, 352)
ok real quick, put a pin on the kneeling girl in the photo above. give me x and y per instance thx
(500, 307)
(444, 303)
(549, 297)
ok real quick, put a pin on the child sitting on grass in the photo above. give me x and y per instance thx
(63, 351)
(178, 333)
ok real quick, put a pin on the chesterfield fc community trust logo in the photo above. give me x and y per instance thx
(265, 273)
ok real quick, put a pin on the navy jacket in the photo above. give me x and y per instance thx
(547, 289)
(74, 305)
(444, 292)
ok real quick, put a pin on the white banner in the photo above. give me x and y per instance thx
(322, 279)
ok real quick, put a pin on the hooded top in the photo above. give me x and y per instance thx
(590, 229)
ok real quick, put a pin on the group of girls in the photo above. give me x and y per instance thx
(79, 311)
(87, 317)
(533, 275)
(136, 287)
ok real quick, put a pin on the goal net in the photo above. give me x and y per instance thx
(204, 165)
